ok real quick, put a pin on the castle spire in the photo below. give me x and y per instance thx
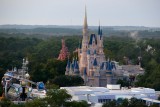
(63, 52)
(99, 29)
(85, 26)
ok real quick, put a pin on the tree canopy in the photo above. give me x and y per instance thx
(43, 53)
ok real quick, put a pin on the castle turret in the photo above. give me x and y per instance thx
(95, 64)
(83, 58)
(85, 25)
(99, 29)
(85, 76)
(100, 45)
(63, 52)
(101, 35)
(96, 70)
(67, 68)
(85, 33)
(109, 68)
(71, 70)
(76, 68)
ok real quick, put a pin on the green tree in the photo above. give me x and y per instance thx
(124, 83)
(110, 104)
(57, 98)
(76, 104)
(18, 105)
(5, 102)
(36, 103)
(124, 103)
(65, 80)
(136, 103)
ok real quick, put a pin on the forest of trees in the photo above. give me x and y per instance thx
(43, 53)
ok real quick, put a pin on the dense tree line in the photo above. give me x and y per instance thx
(65, 81)
(43, 53)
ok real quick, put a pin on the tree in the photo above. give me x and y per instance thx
(51, 86)
(124, 83)
(76, 104)
(18, 105)
(65, 80)
(136, 103)
(124, 103)
(57, 97)
(36, 103)
(48, 70)
(5, 102)
(154, 105)
(110, 104)
(151, 77)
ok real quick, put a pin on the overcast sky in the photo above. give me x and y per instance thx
(71, 12)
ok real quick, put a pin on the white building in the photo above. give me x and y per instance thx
(95, 95)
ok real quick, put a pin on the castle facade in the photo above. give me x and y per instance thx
(91, 63)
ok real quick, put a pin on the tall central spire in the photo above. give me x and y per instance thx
(99, 29)
(85, 26)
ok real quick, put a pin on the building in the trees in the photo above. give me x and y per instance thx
(63, 52)
(91, 64)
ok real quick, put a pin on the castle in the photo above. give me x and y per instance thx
(91, 64)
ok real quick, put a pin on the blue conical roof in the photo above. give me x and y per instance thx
(93, 36)
(102, 65)
(110, 65)
(76, 66)
(95, 62)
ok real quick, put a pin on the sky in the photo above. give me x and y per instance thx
(71, 12)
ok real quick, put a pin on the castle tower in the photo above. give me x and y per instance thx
(63, 52)
(100, 44)
(67, 68)
(83, 58)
